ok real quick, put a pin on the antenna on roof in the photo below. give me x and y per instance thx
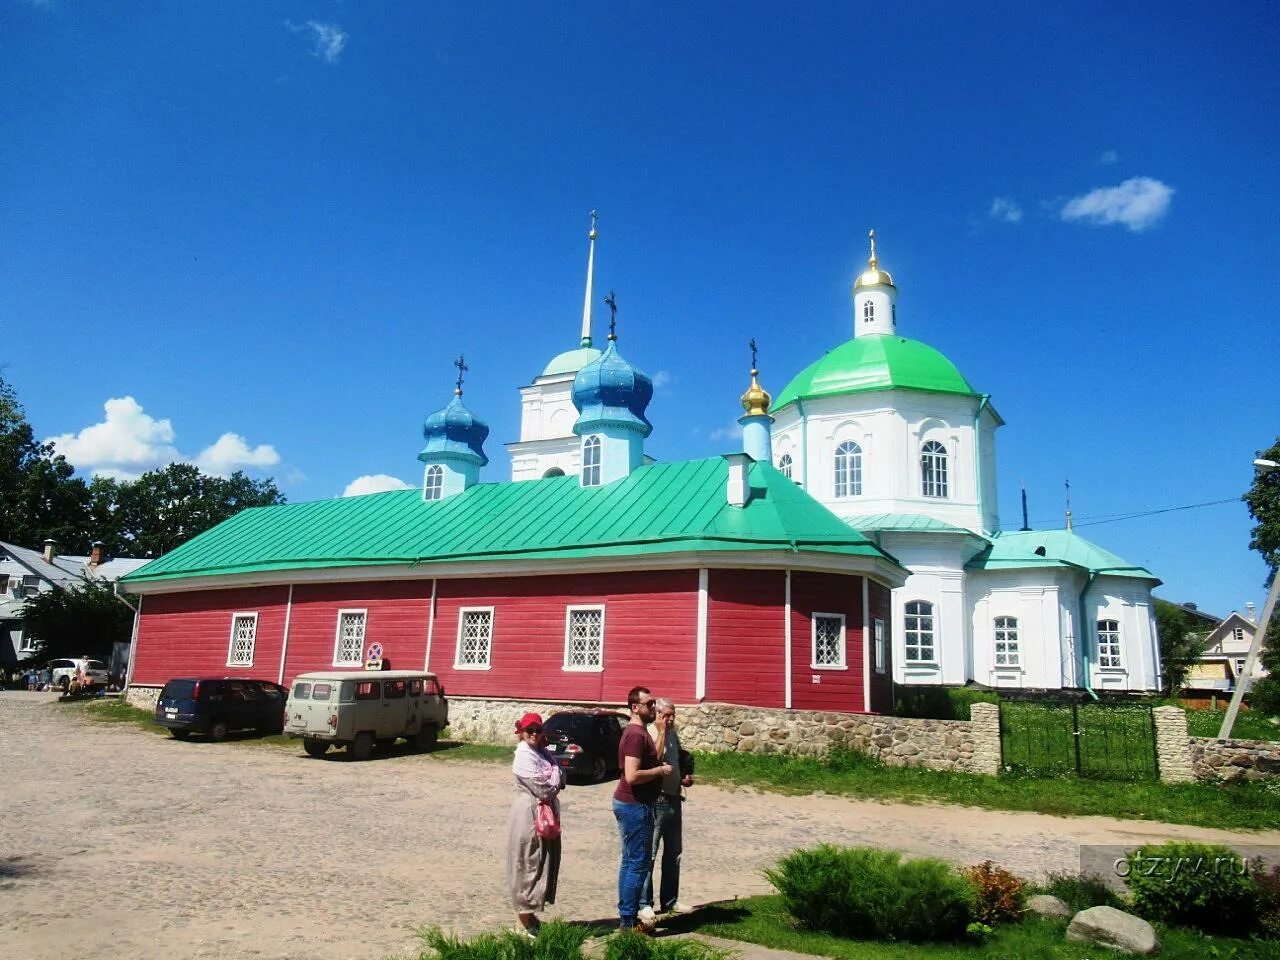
(1067, 483)
(1025, 524)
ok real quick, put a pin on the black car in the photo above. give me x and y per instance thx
(586, 742)
(215, 706)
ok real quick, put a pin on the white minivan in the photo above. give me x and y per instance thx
(360, 710)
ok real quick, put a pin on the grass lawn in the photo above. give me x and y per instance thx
(1248, 725)
(762, 920)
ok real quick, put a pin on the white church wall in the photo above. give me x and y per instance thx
(1128, 602)
(1036, 605)
(937, 578)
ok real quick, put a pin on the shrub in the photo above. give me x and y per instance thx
(1267, 883)
(636, 946)
(1080, 891)
(872, 894)
(938, 703)
(997, 892)
(1199, 885)
(556, 941)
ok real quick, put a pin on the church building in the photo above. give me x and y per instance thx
(851, 542)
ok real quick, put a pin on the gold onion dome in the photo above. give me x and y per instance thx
(873, 275)
(756, 400)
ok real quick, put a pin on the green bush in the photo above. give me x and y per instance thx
(556, 941)
(938, 703)
(636, 946)
(1080, 891)
(871, 894)
(1199, 885)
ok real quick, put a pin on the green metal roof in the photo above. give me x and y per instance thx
(571, 361)
(661, 508)
(1022, 549)
(905, 522)
(875, 362)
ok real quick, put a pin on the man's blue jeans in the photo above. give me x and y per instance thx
(667, 830)
(635, 828)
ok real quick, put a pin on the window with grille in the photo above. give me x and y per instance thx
(348, 649)
(475, 638)
(848, 470)
(244, 630)
(591, 462)
(828, 640)
(918, 631)
(784, 465)
(433, 485)
(868, 311)
(933, 469)
(1109, 643)
(1007, 642)
(584, 638)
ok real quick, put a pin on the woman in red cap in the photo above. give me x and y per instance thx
(533, 861)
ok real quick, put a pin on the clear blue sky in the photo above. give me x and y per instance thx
(274, 225)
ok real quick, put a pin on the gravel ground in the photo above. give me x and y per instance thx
(118, 843)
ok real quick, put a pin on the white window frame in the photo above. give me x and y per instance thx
(841, 649)
(1004, 630)
(882, 665)
(569, 611)
(851, 461)
(934, 473)
(591, 470)
(868, 310)
(433, 483)
(908, 632)
(337, 636)
(785, 465)
(26, 643)
(458, 663)
(1109, 637)
(30, 586)
(251, 615)
(1240, 662)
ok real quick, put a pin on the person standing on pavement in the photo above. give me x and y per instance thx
(633, 803)
(533, 861)
(668, 828)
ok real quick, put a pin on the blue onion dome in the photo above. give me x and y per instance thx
(609, 391)
(454, 433)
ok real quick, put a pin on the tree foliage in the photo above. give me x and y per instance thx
(82, 621)
(1263, 500)
(1181, 644)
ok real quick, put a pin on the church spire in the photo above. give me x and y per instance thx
(874, 310)
(591, 266)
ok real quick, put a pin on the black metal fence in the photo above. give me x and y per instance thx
(1107, 740)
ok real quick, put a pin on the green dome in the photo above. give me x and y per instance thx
(571, 361)
(875, 362)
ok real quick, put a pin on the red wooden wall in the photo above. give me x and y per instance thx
(746, 638)
(838, 689)
(881, 683)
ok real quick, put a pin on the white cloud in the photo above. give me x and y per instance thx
(661, 379)
(1138, 203)
(732, 430)
(129, 442)
(1108, 158)
(327, 39)
(373, 483)
(1005, 210)
(230, 453)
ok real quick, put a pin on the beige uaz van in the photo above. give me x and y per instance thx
(358, 710)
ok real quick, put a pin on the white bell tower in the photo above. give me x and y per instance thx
(874, 297)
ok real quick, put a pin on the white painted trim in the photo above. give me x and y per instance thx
(786, 642)
(231, 641)
(284, 640)
(337, 636)
(568, 615)
(868, 645)
(879, 569)
(457, 650)
(813, 642)
(700, 675)
(431, 627)
(133, 645)
(1017, 630)
(882, 646)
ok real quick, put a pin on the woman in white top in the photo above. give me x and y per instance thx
(533, 862)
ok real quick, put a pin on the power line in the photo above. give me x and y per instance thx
(1114, 517)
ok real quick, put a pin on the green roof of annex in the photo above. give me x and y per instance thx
(875, 362)
(661, 508)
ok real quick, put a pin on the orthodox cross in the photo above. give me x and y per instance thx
(461, 364)
(612, 302)
(753, 354)
(592, 235)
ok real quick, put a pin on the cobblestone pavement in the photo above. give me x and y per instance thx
(118, 843)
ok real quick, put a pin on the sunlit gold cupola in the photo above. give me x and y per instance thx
(873, 275)
(756, 400)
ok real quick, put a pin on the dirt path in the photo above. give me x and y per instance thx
(117, 843)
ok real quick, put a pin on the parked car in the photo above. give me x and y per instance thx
(585, 742)
(215, 706)
(64, 672)
(360, 710)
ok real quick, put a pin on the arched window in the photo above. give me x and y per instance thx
(848, 470)
(1109, 643)
(591, 461)
(1007, 642)
(918, 631)
(933, 469)
(868, 311)
(433, 485)
(553, 472)
(784, 465)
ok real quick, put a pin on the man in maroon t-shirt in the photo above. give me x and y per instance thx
(638, 787)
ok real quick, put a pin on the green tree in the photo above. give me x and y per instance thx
(1180, 645)
(82, 621)
(1263, 499)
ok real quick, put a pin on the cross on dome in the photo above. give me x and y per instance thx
(461, 364)
(612, 302)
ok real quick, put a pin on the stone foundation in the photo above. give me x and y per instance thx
(1172, 755)
(1225, 761)
(144, 698)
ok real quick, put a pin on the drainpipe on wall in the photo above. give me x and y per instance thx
(1084, 643)
(804, 440)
